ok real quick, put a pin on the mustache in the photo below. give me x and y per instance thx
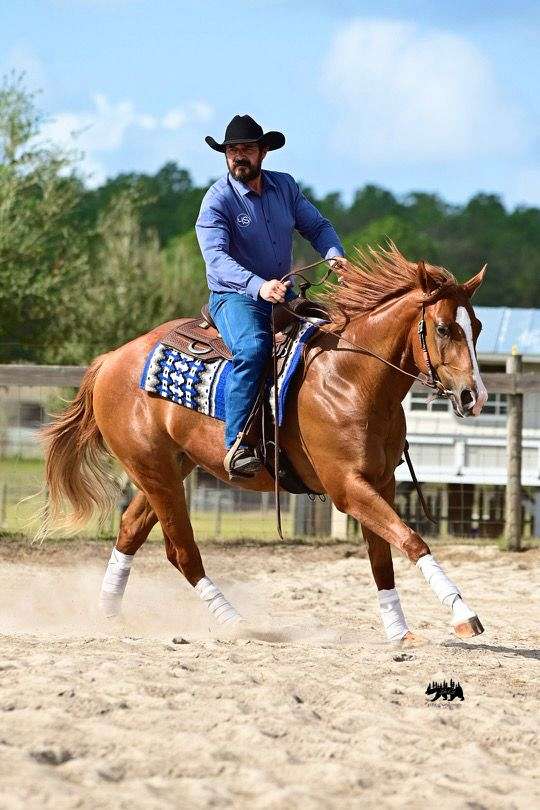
(238, 163)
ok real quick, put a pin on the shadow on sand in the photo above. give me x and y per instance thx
(519, 651)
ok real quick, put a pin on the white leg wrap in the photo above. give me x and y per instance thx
(392, 616)
(461, 612)
(218, 606)
(114, 582)
(443, 588)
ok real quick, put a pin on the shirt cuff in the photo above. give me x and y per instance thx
(334, 253)
(253, 286)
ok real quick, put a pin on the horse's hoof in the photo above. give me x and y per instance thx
(411, 640)
(472, 627)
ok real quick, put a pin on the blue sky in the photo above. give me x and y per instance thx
(413, 96)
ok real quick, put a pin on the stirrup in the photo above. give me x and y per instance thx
(252, 466)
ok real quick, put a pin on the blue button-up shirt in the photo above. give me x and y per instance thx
(246, 238)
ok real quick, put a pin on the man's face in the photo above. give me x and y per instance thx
(244, 160)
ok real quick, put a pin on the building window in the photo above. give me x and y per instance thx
(497, 404)
(31, 415)
(419, 402)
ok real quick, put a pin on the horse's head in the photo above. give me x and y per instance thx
(451, 331)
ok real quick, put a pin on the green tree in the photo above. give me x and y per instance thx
(122, 298)
(427, 212)
(412, 243)
(43, 251)
(184, 277)
(371, 203)
(170, 200)
(479, 232)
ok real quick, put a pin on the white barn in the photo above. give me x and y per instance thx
(463, 461)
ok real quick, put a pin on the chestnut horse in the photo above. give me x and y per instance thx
(344, 430)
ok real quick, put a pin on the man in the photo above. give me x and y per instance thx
(245, 229)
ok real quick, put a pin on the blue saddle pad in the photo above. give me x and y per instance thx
(191, 382)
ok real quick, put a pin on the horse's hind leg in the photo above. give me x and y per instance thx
(165, 491)
(135, 526)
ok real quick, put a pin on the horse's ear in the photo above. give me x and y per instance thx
(426, 283)
(473, 283)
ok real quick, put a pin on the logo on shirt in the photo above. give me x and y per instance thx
(243, 220)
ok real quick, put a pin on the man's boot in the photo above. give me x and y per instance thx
(242, 461)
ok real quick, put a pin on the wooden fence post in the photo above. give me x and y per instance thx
(300, 515)
(3, 505)
(513, 509)
(217, 514)
(322, 517)
(339, 524)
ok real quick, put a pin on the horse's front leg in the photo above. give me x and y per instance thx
(380, 558)
(135, 526)
(356, 496)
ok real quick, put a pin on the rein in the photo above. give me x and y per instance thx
(277, 500)
(429, 380)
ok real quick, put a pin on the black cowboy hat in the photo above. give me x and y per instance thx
(243, 129)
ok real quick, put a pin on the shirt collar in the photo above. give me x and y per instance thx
(244, 189)
(241, 188)
(268, 181)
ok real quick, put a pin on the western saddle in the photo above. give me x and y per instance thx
(200, 338)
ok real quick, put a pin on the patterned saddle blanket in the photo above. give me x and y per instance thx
(200, 385)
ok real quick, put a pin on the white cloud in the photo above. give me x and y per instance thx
(102, 129)
(147, 121)
(201, 111)
(174, 119)
(198, 111)
(407, 94)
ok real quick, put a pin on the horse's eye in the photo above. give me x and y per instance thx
(442, 330)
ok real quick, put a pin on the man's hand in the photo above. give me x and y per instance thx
(274, 291)
(335, 264)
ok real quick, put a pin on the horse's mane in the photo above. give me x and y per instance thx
(377, 276)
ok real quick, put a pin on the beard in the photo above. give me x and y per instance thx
(244, 171)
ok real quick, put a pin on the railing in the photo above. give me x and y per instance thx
(221, 512)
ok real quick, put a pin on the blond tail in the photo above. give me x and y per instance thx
(77, 465)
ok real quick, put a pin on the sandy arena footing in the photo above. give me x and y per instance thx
(308, 708)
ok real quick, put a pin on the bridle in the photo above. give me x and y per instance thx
(429, 379)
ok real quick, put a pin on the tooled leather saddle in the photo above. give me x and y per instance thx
(200, 338)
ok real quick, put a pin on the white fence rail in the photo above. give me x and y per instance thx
(467, 500)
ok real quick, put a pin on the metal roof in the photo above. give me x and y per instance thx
(505, 327)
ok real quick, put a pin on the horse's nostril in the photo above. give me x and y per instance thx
(467, 398)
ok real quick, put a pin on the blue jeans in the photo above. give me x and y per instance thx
(245, 326)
